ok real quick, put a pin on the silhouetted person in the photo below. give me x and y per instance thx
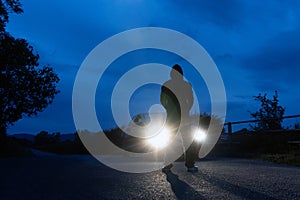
(177, 98)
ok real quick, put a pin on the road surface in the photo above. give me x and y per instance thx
(83, 177)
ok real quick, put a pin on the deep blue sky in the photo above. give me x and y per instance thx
(255, 44)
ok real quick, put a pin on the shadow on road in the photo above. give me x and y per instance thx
(181, 189)
(234, 189)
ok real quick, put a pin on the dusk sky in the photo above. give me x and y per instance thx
(255, 45)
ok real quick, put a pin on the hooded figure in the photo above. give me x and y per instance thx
(177, 98)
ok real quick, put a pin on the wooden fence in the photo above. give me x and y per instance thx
(229, 124)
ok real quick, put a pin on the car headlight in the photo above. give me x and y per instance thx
(160, 140)
(199, 135)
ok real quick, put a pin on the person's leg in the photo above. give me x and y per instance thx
(173, 126)
(191, 156)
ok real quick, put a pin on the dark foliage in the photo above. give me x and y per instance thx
(7, 7)
(270, 115)
(44, 138)
(52, 143)
(11, 147)
(254, 144)
(25, 88)
(115, 136)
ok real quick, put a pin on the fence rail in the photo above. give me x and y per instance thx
(229, 124)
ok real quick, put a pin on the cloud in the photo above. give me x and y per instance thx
(276, 63)
(221, 13)
(238, 110)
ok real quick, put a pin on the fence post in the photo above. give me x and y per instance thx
(229, 126)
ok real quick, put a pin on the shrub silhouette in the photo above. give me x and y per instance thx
(44, 138)
(270, 114)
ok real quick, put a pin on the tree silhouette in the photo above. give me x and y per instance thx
(7, 7)
(44, 138)
(270, 114)
(25, 87)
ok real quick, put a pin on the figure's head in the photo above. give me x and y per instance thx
(176, 72)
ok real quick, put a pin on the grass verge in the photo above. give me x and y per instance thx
(287, 158)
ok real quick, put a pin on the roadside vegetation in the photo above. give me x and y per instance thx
(267, 139)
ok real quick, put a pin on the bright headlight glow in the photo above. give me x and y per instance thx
(160, 140)
(199, 135)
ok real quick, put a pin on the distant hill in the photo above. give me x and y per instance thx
(30, 137)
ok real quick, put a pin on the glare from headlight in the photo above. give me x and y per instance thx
(199, 135)
(160, 140)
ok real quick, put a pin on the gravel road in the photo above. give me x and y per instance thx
(83, 177)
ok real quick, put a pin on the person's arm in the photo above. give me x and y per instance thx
(190, 97)
(163, 96)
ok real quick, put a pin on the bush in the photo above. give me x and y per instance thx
(9, 147)
(270, 115)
